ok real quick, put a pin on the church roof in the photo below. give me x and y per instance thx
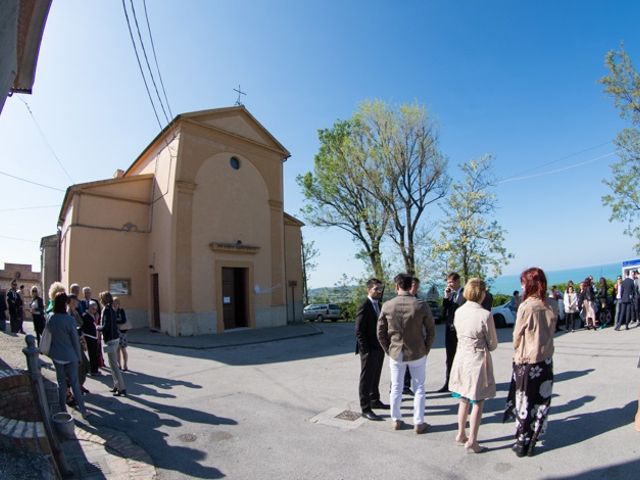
(201, 115)
(291, 220)
(80, 187)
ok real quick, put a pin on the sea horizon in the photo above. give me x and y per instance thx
(507, 284)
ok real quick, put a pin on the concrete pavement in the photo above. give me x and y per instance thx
(267, 410)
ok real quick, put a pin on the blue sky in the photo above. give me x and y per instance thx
(517, 80)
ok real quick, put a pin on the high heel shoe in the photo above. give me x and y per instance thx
(120, 393)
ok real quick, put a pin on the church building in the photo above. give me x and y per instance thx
(193, 236)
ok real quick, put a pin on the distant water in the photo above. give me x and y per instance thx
(508, 283)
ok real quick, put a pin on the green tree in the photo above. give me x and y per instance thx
(410, 172)
(309, 253)
(339, 194)
(469, 240)
(623, 84)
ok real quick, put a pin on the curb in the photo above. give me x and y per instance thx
(139, 462)
(230, 344)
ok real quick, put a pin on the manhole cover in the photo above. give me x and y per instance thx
(348, 415)
(187, 437)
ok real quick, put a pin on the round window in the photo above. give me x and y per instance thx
(234, 162)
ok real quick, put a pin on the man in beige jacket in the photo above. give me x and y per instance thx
(406, 331)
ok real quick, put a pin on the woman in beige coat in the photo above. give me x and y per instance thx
(472, 378)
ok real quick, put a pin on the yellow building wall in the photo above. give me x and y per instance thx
(160, 252)
(293, 269)
(229, 206)
(106, 238)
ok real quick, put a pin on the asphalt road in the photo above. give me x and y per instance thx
(266, 411)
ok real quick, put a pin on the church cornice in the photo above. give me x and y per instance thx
(238, 247)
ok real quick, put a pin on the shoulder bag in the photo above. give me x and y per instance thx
(45, 341)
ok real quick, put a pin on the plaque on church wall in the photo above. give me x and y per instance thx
(226, 300)
(120, 286)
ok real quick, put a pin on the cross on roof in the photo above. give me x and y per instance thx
(240, 93)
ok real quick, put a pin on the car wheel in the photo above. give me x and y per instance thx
(334, 320)
(499, 320)
(319, 318)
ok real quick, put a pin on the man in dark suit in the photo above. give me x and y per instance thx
(3, 309)
(452, 300)
(15, 306)
(371, 353)
(627, 299)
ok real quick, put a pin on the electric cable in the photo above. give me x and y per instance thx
(31, 182)
(146, 59)
(155, 57)
(45, 140)
(135, 49)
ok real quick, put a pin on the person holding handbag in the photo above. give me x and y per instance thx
(110, 338)
(65, 352)
(37, 313)
(123, 327)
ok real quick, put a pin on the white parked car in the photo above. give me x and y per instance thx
(505, 314)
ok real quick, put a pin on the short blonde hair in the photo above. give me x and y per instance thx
(474, 290)
(55, 288)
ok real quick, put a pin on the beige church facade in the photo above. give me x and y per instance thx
(192, 237)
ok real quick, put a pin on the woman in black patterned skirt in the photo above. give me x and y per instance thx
(532, 379)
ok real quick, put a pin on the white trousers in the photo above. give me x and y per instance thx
(417, 368)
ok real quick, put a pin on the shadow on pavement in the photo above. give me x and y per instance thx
(620, 470)
(333, 339)
(144, 424)
(578, 428)
(139, 383)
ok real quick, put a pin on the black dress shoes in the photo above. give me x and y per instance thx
(407, 391)
(379, 404)
(371, 416)
(444, 389)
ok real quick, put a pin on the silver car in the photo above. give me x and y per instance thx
(320, 311)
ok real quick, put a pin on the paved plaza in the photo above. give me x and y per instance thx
(267, 410)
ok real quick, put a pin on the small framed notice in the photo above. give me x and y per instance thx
(120, 286)
(226, 300)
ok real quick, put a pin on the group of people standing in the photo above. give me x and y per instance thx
(597, 305)
(403, 328)
(71, 327)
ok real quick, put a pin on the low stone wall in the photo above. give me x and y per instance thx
(21, 424)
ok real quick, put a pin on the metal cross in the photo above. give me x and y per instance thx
(240, 92)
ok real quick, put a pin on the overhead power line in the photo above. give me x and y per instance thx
(155, 58)
(29, 208)
(557, 170)
(44, 137)
(19, 239)
(522, 172)
(31, 182)
(146, 59)
(135, 49)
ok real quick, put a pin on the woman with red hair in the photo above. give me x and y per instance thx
(532, 379)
